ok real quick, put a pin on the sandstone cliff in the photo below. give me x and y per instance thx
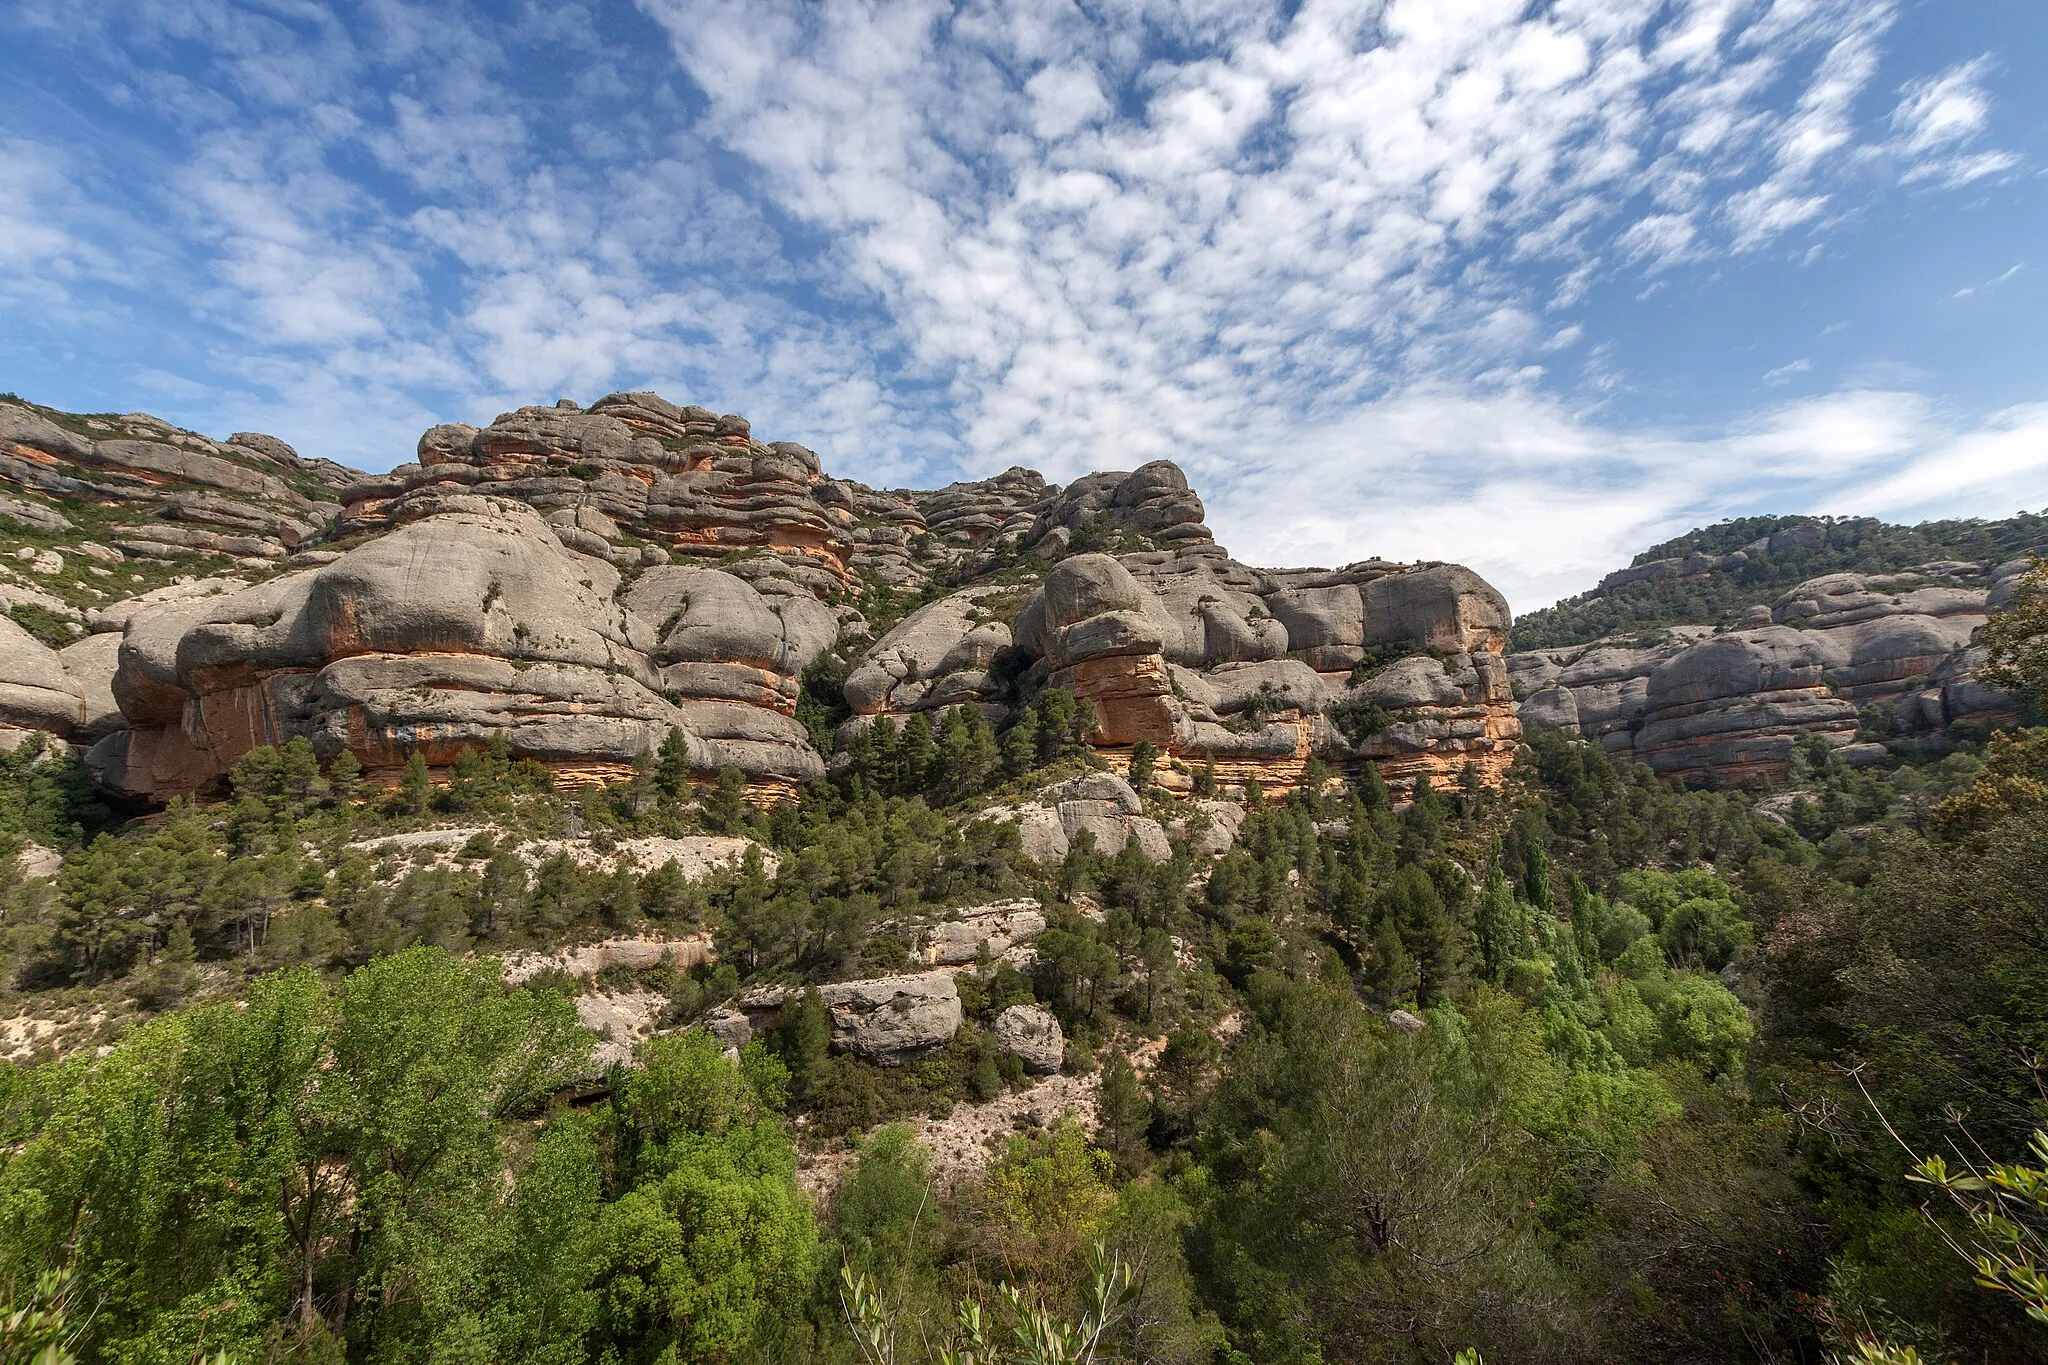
(1880, 663)
(585, 581)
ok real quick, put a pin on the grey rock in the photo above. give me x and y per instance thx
(1001, 927)
(33, 514)
(732, 1028)
(894, 1019)
(1110, 788)
(36, 693)
(91, 664)
(1217, 830)
(1554, 705)
(1415, 681)
(953, 637)
(1033, 1036)
(1041, 835)
(269, 447)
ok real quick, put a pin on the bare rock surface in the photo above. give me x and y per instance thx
(888, 1020)
(632, 954)
(1691, 700)
(622, 1020)
(696, 856)
(1033, 1036)
(174, 491)
(1001, 928)
(964, 1142)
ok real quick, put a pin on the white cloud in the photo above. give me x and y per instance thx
(1939, 111)
(1786, 373)
(1543, 500)
(1327, 256)
(1935, 120)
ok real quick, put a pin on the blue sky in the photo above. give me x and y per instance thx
(1527, 286)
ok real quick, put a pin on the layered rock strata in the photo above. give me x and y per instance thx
(1690, 700)
(472, 622)
(583, 581)
(1251, 672)
(170, 491)
(631, 473)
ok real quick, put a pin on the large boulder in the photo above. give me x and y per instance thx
(1154, 501)
(998, 928)
(1033, 1037)
(939, 655)
(894, 1019)
(36, 691)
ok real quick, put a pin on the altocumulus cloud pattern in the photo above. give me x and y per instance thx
(1523, 285)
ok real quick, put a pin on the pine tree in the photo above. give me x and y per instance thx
(345, 775)
(803, 1036)
(1143, 755)
(1390, 971)
(1502, 936)
(1125, 1111)
(1020, 745)
(1536, 879)
(672, 766)
(725, 808)
(413, 786)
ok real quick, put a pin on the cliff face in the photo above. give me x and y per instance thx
(1252, 671)
(586, 581)
(1884, 659)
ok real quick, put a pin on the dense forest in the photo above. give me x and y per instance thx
(1586, 1068)
(1779, 554)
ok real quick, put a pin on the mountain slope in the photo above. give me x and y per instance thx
(1713, 575)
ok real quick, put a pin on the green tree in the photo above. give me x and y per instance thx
(672, 766)
(414, 787)
(1144, 754)
(724, 808)
(2016, 641)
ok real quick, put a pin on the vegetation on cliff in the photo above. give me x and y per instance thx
(1667, 1060)
(1778, 553)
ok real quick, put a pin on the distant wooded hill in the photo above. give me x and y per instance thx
(1712, 575)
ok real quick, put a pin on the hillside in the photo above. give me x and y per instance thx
(1712, 576)
(611, 891)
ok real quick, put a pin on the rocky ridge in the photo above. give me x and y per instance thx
(586, 581)
(1877, 663)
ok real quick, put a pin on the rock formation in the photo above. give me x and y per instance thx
(583, 581)
(888, 1020)
(473, 621)
(1033, 1036)
(1689, 700)
(169, 492)
(1251, 672)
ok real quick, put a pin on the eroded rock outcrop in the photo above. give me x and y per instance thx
(583, 581)
(173, 491)
(1691, 700)
(1254, 672)
(889, 1020)
(472, 622)
(1033, 1037)
(631, 479)
(1102, 805)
